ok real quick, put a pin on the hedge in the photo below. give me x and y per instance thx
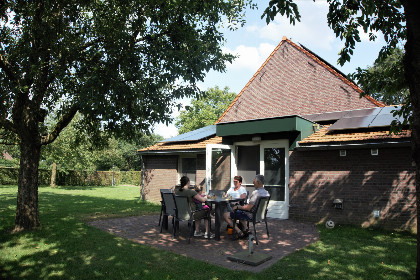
(9, 176)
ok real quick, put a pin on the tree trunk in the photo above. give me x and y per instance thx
(53, 174)
(27, 214)
(412, 74)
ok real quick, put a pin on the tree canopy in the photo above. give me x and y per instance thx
(384, 80)
(120, 64)
(204, 110)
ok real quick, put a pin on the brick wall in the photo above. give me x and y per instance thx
(161, 172)
(365, 183)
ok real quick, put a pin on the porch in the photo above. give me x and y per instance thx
(286, 236)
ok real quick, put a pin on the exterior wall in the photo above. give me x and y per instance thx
(161, 172)
(385, 182)
(201, 170)
(292, 83)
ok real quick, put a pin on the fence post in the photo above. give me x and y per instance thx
(113, 176)
(53, 174)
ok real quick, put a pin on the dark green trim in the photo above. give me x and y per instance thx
(293, 128)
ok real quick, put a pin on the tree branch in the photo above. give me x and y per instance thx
(7, 125)
(61, 124)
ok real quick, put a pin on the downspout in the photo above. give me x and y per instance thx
(143, 198)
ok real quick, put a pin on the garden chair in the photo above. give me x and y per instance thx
(258, 215)
(183, 212)
(162, 209)
(169, 201)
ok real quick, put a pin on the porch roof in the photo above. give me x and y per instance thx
(294, 128)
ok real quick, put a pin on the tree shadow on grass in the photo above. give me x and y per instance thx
(67, 248)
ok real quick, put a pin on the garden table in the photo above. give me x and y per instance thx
(219, 204)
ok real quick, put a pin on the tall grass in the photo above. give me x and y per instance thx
(65, 247)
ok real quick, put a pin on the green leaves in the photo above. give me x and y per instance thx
(385, 80)
(204, 110)
(283, 7)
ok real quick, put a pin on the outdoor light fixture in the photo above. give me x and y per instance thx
(338, 203)
(256, 138)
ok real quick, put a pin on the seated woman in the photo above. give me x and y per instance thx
(242, 216)
(184, 190)
(238, 191)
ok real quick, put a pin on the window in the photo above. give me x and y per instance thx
(188, 167)
(248, 163)
(274, 173)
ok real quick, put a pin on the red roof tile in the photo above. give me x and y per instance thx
(182, 146)
(325, 136)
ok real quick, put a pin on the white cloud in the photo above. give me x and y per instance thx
(250, 57)
(311, 30)
(166, 131)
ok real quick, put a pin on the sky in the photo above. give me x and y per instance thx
(254, 42)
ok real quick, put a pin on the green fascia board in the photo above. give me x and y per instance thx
(305, 127)
(266, 126)
(262, 126)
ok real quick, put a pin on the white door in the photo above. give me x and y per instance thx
(219, 166)
(274, 159)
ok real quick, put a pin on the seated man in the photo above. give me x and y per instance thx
(243, 216)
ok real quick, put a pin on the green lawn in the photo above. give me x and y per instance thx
(65, 247)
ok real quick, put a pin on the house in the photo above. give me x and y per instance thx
(6, 156)
(325, 152)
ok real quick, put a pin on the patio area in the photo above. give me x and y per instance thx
(286, 236)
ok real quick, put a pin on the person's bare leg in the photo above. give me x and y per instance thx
(230, 222)
(206, 224)
(226, 217)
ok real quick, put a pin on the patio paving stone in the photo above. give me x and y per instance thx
(286, 236)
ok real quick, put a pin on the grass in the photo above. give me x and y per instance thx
(65, 247)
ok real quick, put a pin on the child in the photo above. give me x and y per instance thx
(198, 204)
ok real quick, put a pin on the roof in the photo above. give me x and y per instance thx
(198, 145)
(357, 126)
(294, 80)
(324, 135)
(369, 117)
(194, 135)
(6, 156)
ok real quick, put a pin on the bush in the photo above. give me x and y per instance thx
(9, 176)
